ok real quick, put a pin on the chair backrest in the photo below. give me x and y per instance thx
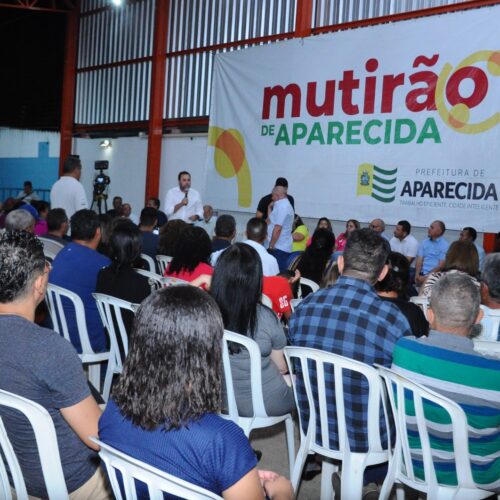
(110, 309)
(50, 247)
(488, 347)
(255, 374)
(266, 301)
(307, 282)
(412, 416)
(163, 262)
(171, 281)
(423, 303)
(155, 280)
(311, 365)
(54, 298)
(490, 323)
(156, 480)
(149, 261)
(46, 441)
(294, 303)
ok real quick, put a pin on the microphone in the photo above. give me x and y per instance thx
(186, 193)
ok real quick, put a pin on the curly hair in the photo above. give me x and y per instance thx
(172, 374)
(169, 235)
(21, 262)
(193, 247)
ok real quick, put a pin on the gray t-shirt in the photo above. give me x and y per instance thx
(40, 365)
(278, 397)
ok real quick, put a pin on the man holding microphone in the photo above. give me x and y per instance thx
(182, 202)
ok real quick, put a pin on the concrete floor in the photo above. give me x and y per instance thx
(272, 443)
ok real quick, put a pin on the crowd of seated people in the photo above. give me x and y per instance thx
(362, 312)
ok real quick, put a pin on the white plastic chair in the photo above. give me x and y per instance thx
(294, 303)
(260, 417)
(488, 347)
(54, 298)
(353, 463)
(490, 323)
(48, 451)
(110, 309)
(307, 282)
(163, 262)
(400, 464)
(423, 303)
(50, 247)
(171, 281)
(149, 261)
(156, 480)
(155, 280)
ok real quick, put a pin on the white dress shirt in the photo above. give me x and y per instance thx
(282, 215)
(69, 194)
(194, 206)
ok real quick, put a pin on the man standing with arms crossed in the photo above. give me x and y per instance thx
(182, 202)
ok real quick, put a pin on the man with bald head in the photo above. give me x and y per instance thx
(378, 225)
(431, 252)
(446, 362)
(280, 220)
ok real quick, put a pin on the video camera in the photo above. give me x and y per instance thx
(101, 180)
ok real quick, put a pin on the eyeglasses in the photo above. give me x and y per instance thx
(48, 266)
(373, 226)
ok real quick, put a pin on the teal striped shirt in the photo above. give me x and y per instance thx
(448, 364)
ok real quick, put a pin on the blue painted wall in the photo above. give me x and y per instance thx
(42, 171)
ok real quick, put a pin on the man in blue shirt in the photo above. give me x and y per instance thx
(431, 252)
(75, 268)
(351, 320)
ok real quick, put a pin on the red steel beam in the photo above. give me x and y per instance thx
(303, 20)
(156, 102)
(69, 87)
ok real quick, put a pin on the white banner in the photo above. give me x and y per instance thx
(397, 121)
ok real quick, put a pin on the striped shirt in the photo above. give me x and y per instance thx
(448, 364)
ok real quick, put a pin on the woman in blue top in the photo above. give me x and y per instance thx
(164, 408)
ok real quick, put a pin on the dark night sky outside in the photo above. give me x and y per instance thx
(31, 58)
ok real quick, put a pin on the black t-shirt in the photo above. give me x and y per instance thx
(126, 285)
(266, 200)
(414, 315)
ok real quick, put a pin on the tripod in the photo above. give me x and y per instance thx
(99, 198)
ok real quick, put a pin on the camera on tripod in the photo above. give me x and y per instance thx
(101, 183)
(101, 180)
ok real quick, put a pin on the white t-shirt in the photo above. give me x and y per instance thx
(269, 263)
(282, 215)
(408, 246)
(194, 206)
(69, 194)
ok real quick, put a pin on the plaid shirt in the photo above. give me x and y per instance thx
(347, 319)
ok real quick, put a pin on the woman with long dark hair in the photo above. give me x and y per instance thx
(237, 288)
(313, 262)
(163, 410)
(191, 255)
(119, 279)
